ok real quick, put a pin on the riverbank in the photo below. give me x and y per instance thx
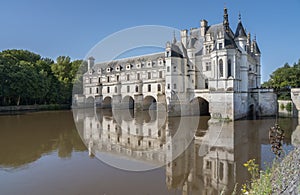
(286, 176)
(282, 178)
(25, 108)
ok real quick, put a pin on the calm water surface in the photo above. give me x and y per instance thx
(49, 153)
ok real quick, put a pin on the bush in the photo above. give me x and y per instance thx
(282, 107)
(288, 107)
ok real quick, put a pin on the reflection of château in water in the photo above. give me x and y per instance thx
(211, 66)
(213, 159)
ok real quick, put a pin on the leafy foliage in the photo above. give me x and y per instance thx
(284, 78)
(27, 78)
(289, 107)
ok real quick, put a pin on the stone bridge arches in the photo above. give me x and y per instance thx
(127, 102)
(90, 101)
(107, 102)
(149, 103)
(200, 106)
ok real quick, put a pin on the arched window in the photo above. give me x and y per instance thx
(221, 68)
(136, 88)
(229, 68)
(158, 87)
(206, 83)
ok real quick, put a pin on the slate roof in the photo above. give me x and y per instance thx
(240, 31)
(255, 47)
(131, 60)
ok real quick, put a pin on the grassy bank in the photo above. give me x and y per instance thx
(8, 109)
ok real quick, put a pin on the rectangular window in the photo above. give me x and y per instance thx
(220, 46)
(97, 90)
(175, 86)
(116, 90)
(108, 90)
(149, 75)
(99, 80)
(127, 77)
(174, 68)
(118, 78)
(149, 88)
(208, 66)
(90, 90)
(160, 74)
(168, 85)
(138, 76)
(158, 87)
(108, 79)
(168, 69)
(128, 89)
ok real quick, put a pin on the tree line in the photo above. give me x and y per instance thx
(26, 78)
(283, 79)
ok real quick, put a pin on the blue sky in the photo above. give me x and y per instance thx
(53, 28)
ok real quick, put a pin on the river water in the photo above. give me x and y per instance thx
(58, 152)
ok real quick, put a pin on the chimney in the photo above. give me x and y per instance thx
(91, 61)
(183, 35)
(203, 26)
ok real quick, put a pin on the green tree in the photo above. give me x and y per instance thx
(26, 78)
(288, 107)
(284, 78)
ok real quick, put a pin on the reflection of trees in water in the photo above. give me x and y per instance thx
(25, 138)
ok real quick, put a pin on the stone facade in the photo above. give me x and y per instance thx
(211, 67)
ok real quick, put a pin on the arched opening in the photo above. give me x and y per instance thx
(251, 112)
(89, 102)
(229, 74)
(200, 107)
(106, 103)
(221, 68)
(128, 102)
(149, 103)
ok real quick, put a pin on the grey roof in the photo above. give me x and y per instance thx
(131, 60)
(240, 31)
(255, 47)
(214, 30)
(192, 42)
(177, 50)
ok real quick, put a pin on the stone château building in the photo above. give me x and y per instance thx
(211, 66)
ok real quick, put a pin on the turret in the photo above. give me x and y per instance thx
(240, 36)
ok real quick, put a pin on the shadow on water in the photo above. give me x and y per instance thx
(25, 138)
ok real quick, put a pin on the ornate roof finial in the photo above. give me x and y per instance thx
(240, 17)
(225, 20)
(174, 37)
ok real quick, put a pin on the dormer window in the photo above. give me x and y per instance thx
(220, 46)
(118, 68)
(149, 63)
(99, 70)
(108, 69)
(128, 66)
(160, 62)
